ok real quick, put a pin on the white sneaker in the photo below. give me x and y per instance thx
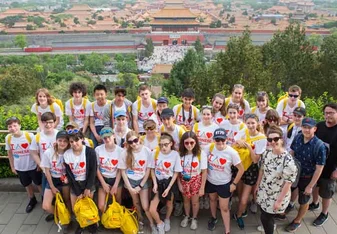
(167, 223)
(161, 228)
(201, 203)
(194, 224)
(261, 229)
(154, 229)
(185, 221)
(140, 225)
(206, 203)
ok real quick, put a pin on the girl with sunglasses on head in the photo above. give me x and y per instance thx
(135, 165)
(221, 158)
(193, 177)
(255, 141)
(262, 105)
(81, 165)
(165, 170)
(219, 108)
(108, 175)
(272, 119)
(237, 98)
(151, 137)
(278, 171)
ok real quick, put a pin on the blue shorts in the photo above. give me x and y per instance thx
(222, 190)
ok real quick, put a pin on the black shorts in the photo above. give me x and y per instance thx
(82, 185)
(302, 184)
(27, 177)
(111, 182)
(222, 190)
(249, 177)
(57, 183)
(327, 188)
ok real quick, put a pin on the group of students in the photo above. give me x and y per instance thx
(180, 159)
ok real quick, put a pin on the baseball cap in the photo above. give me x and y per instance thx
(72, 124)
(300, 111)
(106, 132)
(62, 134)
(167, 112)
(220, 133)
(162, 100)
(309, 122)
(120, 113)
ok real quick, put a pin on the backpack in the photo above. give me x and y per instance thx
(27, 136)
(227, 101)
(61, 213)
(153, 103)
(129, 222)
(298, 166)
(181, 130)
(194, 110)
(71, 102)
(285, 98)
(86, 212)
(113, 216)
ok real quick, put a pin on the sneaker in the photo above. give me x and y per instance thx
(140, 225)
(49, 218)
(178, 209)
(239, 221)
(244, 214)
(194, 224)
(289, 208)
(321, 219)
(185, 221)
(201, 203)
(31, 205)
(206, 203)
(163, 210)
(253, 207)
(313, 206)
(280, 217)
(211, 223)
(261, 229)
(167, 223)
(161, 228)
(154, 229)
(292, 227)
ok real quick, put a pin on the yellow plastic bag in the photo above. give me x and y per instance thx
(86, 212)
(61, 213)
(244, 154)
(113, 216)
(129, 222)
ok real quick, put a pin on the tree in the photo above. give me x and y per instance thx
(94, 63)
(218, 24)
(131, 82)
(245, 12)
(315, 39)
(21, 41)
(76, 21)
(199, 48)
(30, 27)
(9, 21)
(100, 17)
(124, 24)
(149, 48)
(273, 21)
(91, 22)
(232, 19)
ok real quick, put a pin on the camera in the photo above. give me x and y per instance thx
(186, 177)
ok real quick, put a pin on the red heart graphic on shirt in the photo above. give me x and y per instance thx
(222, 161)
(219, 120)
(235, 133)
(241, 112)
(194, 164)
(141, 162)
(167, 164)
(114, 161)
(190, 120)
(209, 134)
(227, 132)
(82, 111)
(25, 145)
(150, 114)
(82, 164)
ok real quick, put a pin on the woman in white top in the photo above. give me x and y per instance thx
(135, 165)
(262, 105)
(237, 98)
(108, 175)
(219, 108)
(151, 137)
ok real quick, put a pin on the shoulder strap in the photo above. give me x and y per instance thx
(227, 100)
(139, 105)
(257, 138)
(199, 157)
(298, 103)
(318, 145)
(211, 147)
(242, 125)
(85, 100)
(51, 106)
(36, 108)
(29, 139)
(290, 130)
(91, 143)
(156, 153)
(194, 112)
(179, 109)
(181, 132)
(154, 104)
(71, 102)
(253, 109)
(285, 101)
(142, 139)
(9, 139)
(195, 128)
(247, 135)
(37, 138)
(93, 107)
(162, 128)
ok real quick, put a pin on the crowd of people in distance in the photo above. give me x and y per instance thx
(181, 160)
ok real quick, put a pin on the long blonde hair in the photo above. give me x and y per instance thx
(130, 158)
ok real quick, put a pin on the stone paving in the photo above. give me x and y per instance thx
(14, 219)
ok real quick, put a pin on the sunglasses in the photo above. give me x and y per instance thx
(150, 128)
(219, 140)
(275, 139)
(73, 131)
(206, 107)
(74, 140)
(161, 145)
(189, 143)
(12, 119)
(133, 141)
(251, 116)
(262, 93)
(104, 131)
(294, 96)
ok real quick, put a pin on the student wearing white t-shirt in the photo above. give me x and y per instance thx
(237, 98)
(151, 138)
(108, 174)
(221, 158)
(219, 108)
(135, 165)
(262, 106)
(255, 141)
(22, 164)
(165, 169)
(78, 107)
(53, 165)
(193, 177)
(121, 128)
(162, 103)
(45, 103)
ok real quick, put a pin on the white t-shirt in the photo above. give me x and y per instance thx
(54, 163)
(142, 161)
(98, 113)
(260, 115)
(232, 130)
(45, 143)
(166, 164)
(195, 115)
(218, 118)
(79, 111)
(157, 120)
(204, 133)
(191, 164)
(77, 164)
(57, 112)
(119, 138)
(287, 111)
(144, 114)
(20, 151)
(176, 134)
(219, 165)
(295, 131)
(151, 145)
(107, 162)
(258, 146)
(242, 112)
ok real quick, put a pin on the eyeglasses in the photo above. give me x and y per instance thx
(161, 145)
(105, 131)
(275, 139)
(219, 140)
(293, 95)
(191, 143)
(73, 131)
(150, 128)
(133, 141)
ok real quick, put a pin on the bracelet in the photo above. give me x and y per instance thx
(234, 184)
(140, 186)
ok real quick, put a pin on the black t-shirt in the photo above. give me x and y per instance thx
(329, 136)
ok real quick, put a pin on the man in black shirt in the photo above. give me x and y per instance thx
(327, 132)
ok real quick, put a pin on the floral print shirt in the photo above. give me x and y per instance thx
(277, 169)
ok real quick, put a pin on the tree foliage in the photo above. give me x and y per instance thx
(20, 41)
(149, 48)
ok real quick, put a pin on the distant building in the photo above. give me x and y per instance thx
(162, 69)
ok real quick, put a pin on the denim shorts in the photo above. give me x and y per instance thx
(135, 183)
